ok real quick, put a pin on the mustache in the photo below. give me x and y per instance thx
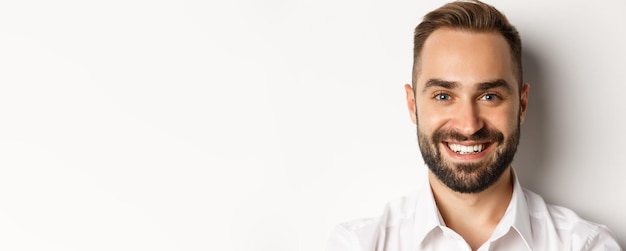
(483, 134)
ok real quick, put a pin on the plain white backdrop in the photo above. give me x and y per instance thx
(260, 125)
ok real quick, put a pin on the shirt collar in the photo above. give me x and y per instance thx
(517, 215)
(427, 216)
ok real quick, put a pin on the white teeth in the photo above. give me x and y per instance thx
(466, 149)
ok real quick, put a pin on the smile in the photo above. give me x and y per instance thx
(469, 149)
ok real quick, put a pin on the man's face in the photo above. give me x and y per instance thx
(467, 107)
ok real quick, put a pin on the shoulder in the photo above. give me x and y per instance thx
(561, 224)
(363, 233)
(349, 235)
(558, 217)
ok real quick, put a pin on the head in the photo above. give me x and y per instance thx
(467, 97)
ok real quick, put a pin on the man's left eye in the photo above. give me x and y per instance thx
(489, 97)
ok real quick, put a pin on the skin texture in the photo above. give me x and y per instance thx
(466, 94)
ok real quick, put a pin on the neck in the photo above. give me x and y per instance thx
(474, 216)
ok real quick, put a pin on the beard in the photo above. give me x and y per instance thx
(469, 177)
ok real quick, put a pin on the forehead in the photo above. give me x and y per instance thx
(465, 57)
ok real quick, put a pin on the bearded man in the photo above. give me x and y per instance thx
(468, 100)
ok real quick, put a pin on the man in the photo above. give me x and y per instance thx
(468, 100)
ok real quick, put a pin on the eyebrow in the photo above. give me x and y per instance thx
(481, 86)
(439, 83)
(494, 84)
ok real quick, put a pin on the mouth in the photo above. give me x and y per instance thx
(466, 149)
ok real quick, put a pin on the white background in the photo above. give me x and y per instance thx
(260, 125)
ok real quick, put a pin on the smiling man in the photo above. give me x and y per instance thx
(468, 100)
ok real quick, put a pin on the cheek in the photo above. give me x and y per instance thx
(429, 120)
(505, 120)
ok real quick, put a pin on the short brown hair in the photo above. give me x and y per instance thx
(473, 16)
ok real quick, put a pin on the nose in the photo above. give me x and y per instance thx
(467, 119)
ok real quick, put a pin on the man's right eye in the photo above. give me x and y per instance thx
(442, 97)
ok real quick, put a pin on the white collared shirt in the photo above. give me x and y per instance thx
(414, 223)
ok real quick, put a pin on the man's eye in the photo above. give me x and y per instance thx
(442, 97)
(489, 97)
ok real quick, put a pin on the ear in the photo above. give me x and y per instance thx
(523, 101)
(410, 102)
